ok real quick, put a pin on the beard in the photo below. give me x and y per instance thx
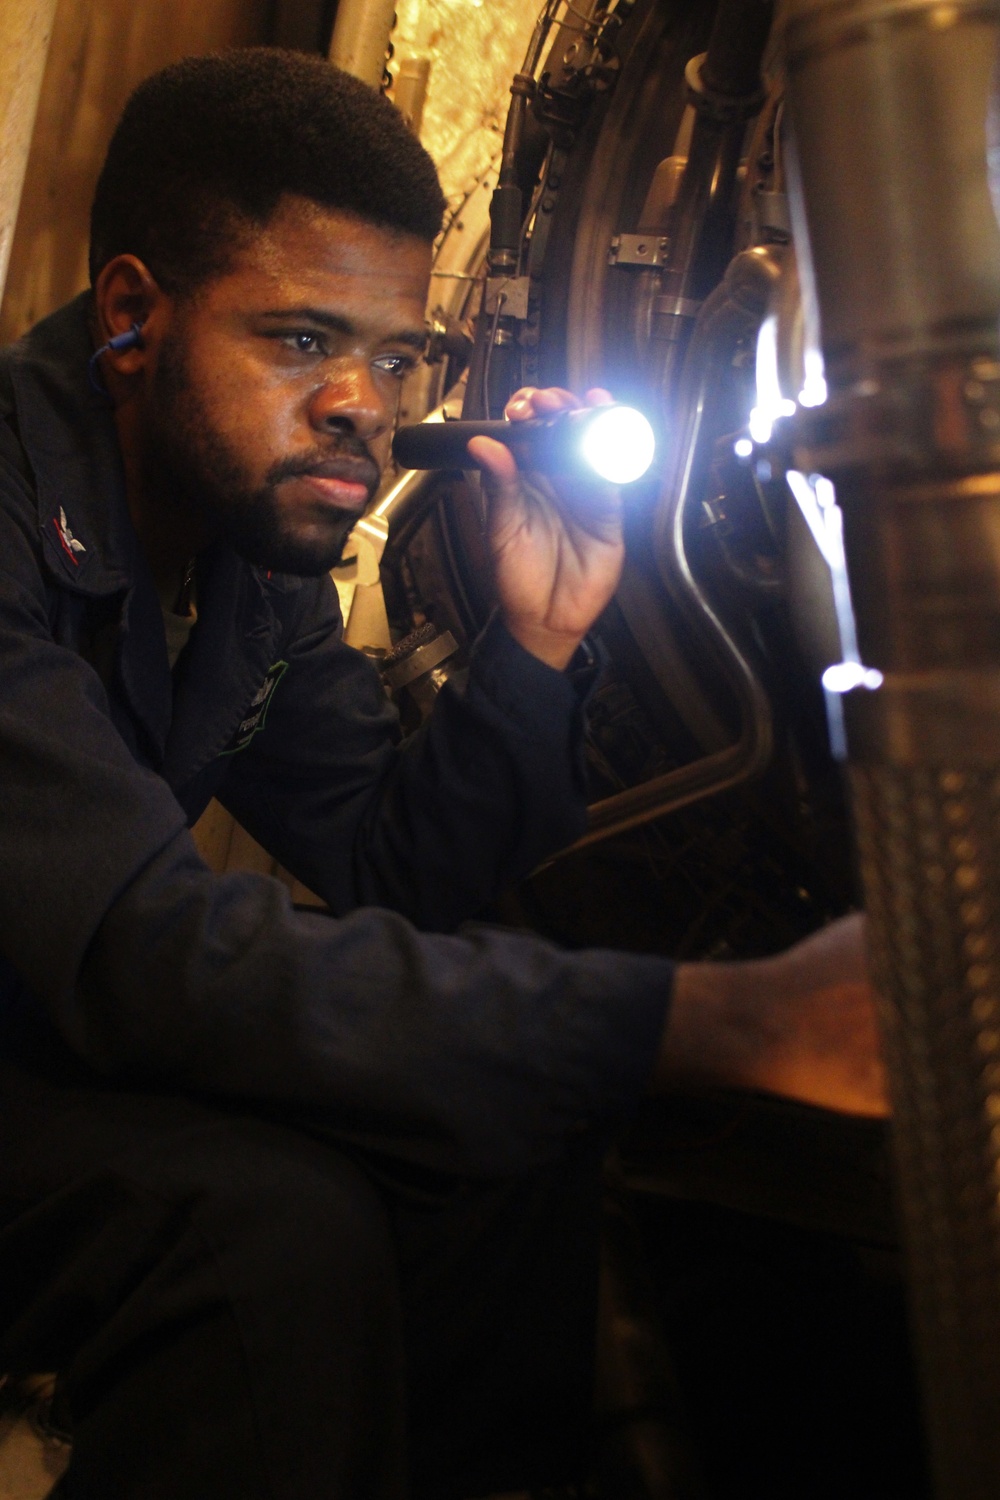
(191, 464)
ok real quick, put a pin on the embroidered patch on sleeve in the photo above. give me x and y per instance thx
(70, 544)
(254, 719)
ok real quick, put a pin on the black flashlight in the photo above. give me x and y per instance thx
(614, 442)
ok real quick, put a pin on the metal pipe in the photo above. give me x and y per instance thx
(409, 92)
(724, 86)
(701, 223)
(360, 38)
(888, 101)
(734, 311)
(732, 63)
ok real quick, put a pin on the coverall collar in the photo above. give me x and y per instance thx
(68, 432)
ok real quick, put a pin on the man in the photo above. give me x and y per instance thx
(299, 1205)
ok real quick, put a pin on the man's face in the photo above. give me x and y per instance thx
(274, 388)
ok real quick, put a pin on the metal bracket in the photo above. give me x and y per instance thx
(772, 211)
(513, 290)
(671, 306)
(644, 250)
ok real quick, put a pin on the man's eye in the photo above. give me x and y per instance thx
(395, 364)
(304, 342)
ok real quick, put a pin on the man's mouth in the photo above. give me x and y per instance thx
(345, 494)
(345, 485)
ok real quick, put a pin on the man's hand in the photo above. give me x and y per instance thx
(801, 1024)
(557, 546)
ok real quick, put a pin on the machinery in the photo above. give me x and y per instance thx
(710, 688)
(777, 241)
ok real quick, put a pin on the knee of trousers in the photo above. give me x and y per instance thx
(280, 1212)
(282, 1228)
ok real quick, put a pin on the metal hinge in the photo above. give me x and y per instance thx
(638, 250)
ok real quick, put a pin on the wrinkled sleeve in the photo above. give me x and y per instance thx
(435, 827)
(477, 1053)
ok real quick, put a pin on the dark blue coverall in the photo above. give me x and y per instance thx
(274, 1185)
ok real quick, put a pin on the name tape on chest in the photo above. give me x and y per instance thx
(255, 717)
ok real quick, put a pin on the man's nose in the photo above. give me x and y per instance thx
(349, 398)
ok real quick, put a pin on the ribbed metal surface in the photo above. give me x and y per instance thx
(930, 850)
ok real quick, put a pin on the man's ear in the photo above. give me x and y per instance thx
(126, 296)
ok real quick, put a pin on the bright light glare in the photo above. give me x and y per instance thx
(743, 447)
(771, 403)
(761, 426)
(817, 500)
(769, 392)
(618, 444)
(763, 418)
(845, 675)
(814, 391)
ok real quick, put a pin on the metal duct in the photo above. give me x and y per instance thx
(360, 38)
(888, 106)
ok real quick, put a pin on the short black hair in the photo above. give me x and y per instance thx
(206, 148)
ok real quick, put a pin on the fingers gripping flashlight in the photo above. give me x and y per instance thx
(614, 442)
